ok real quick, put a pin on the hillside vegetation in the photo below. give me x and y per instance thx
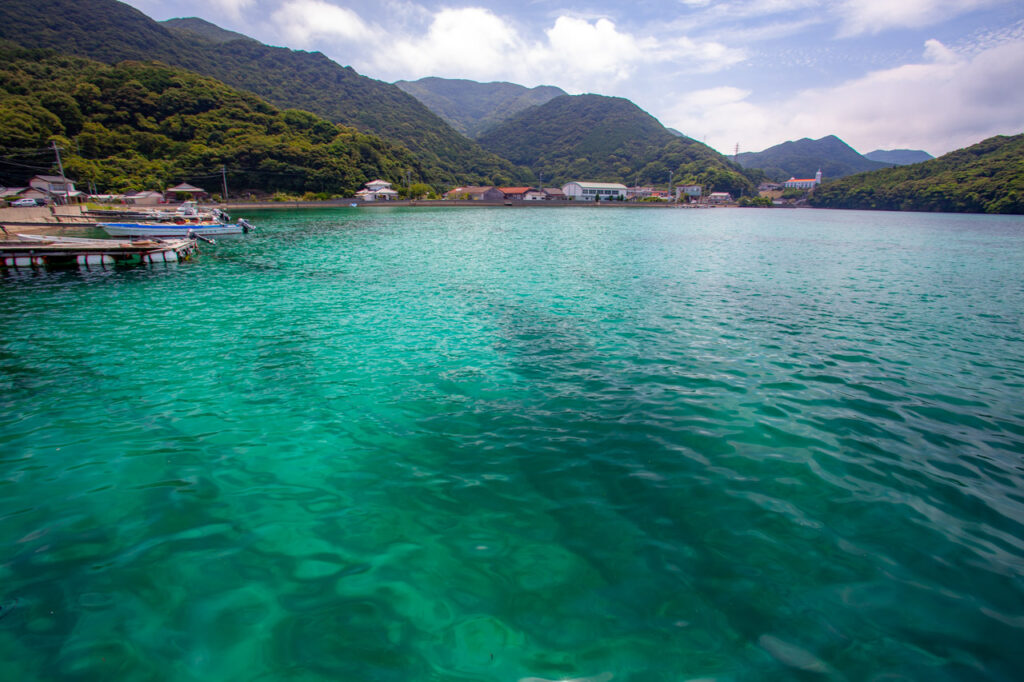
(471, 107)
(899, 157)
(596, 138)
(803, 158)
(146, 125)
(111, 31)
(985, 178)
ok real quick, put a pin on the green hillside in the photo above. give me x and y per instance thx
(471, 107)
(985, 178)
(596, 138)
(111, 31)
(135, 126)
(803, 158)
(899, 157)
(192, 27)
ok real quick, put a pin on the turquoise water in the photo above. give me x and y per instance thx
(493, 444)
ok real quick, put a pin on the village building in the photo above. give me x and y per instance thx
(594, 191)
(145, 198)
(490, 193)
(185, 192)
(636, 193)
(535, 195)
(554, 193)
(377, 190)
(52, 188)
(804, 183)
(688, 192)
(719, 198)
(515, 193)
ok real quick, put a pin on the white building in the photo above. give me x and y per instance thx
(377, 190)
(804, 183)
(719, 198)
(691, 192)
(591, 191)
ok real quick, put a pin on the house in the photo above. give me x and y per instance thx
(535, 195)
(53, 188)
(11, 193)
(554, 193)
(804, 183)
(490, 193)
(594, 191)
(146, 198)
(690, 192)
(719, 198)
(515, 193)
(185, 192)
(377, 190)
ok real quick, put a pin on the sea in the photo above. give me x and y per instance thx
(522, 445)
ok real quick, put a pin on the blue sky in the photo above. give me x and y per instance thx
(921, 74)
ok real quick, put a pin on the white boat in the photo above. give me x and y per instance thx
(174, 229)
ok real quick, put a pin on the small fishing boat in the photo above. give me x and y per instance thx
(176, 229)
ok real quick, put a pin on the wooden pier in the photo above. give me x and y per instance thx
(37, 251)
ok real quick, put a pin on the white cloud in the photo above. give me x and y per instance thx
(305, 22)
(875, 16)
(944, 102)
(232, 8)
(473, 42)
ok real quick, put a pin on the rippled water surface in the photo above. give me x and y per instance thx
(495, 444)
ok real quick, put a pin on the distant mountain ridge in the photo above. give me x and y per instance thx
(471, 107)
(598, 138)
(194, 26)
(987, 177)
(803, 158)
(111, 31)
(899, 157)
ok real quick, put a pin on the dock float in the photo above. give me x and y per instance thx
(38, 251)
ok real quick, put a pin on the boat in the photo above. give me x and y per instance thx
(186, 212)
(177, 229)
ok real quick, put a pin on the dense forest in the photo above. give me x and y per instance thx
(609, 139)
(110, 31)
(985, 178)
(135, 126)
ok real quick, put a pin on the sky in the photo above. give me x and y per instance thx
(935, 75)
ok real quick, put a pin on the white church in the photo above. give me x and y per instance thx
(804, 183)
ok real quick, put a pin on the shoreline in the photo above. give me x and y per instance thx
(36, 220)
(448, 203)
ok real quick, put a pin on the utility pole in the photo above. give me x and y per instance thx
(224, 179)
(670, 174)
(67, 194)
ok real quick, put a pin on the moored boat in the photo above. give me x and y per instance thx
(177, 230)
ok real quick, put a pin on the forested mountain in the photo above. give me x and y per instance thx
(192, 27)
(111, 31)
(803, 158)
(471, 107)
(596, 138)
(899, 157)
(147, 125)
(985, 178)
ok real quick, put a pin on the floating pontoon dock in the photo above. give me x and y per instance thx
(37, 251)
